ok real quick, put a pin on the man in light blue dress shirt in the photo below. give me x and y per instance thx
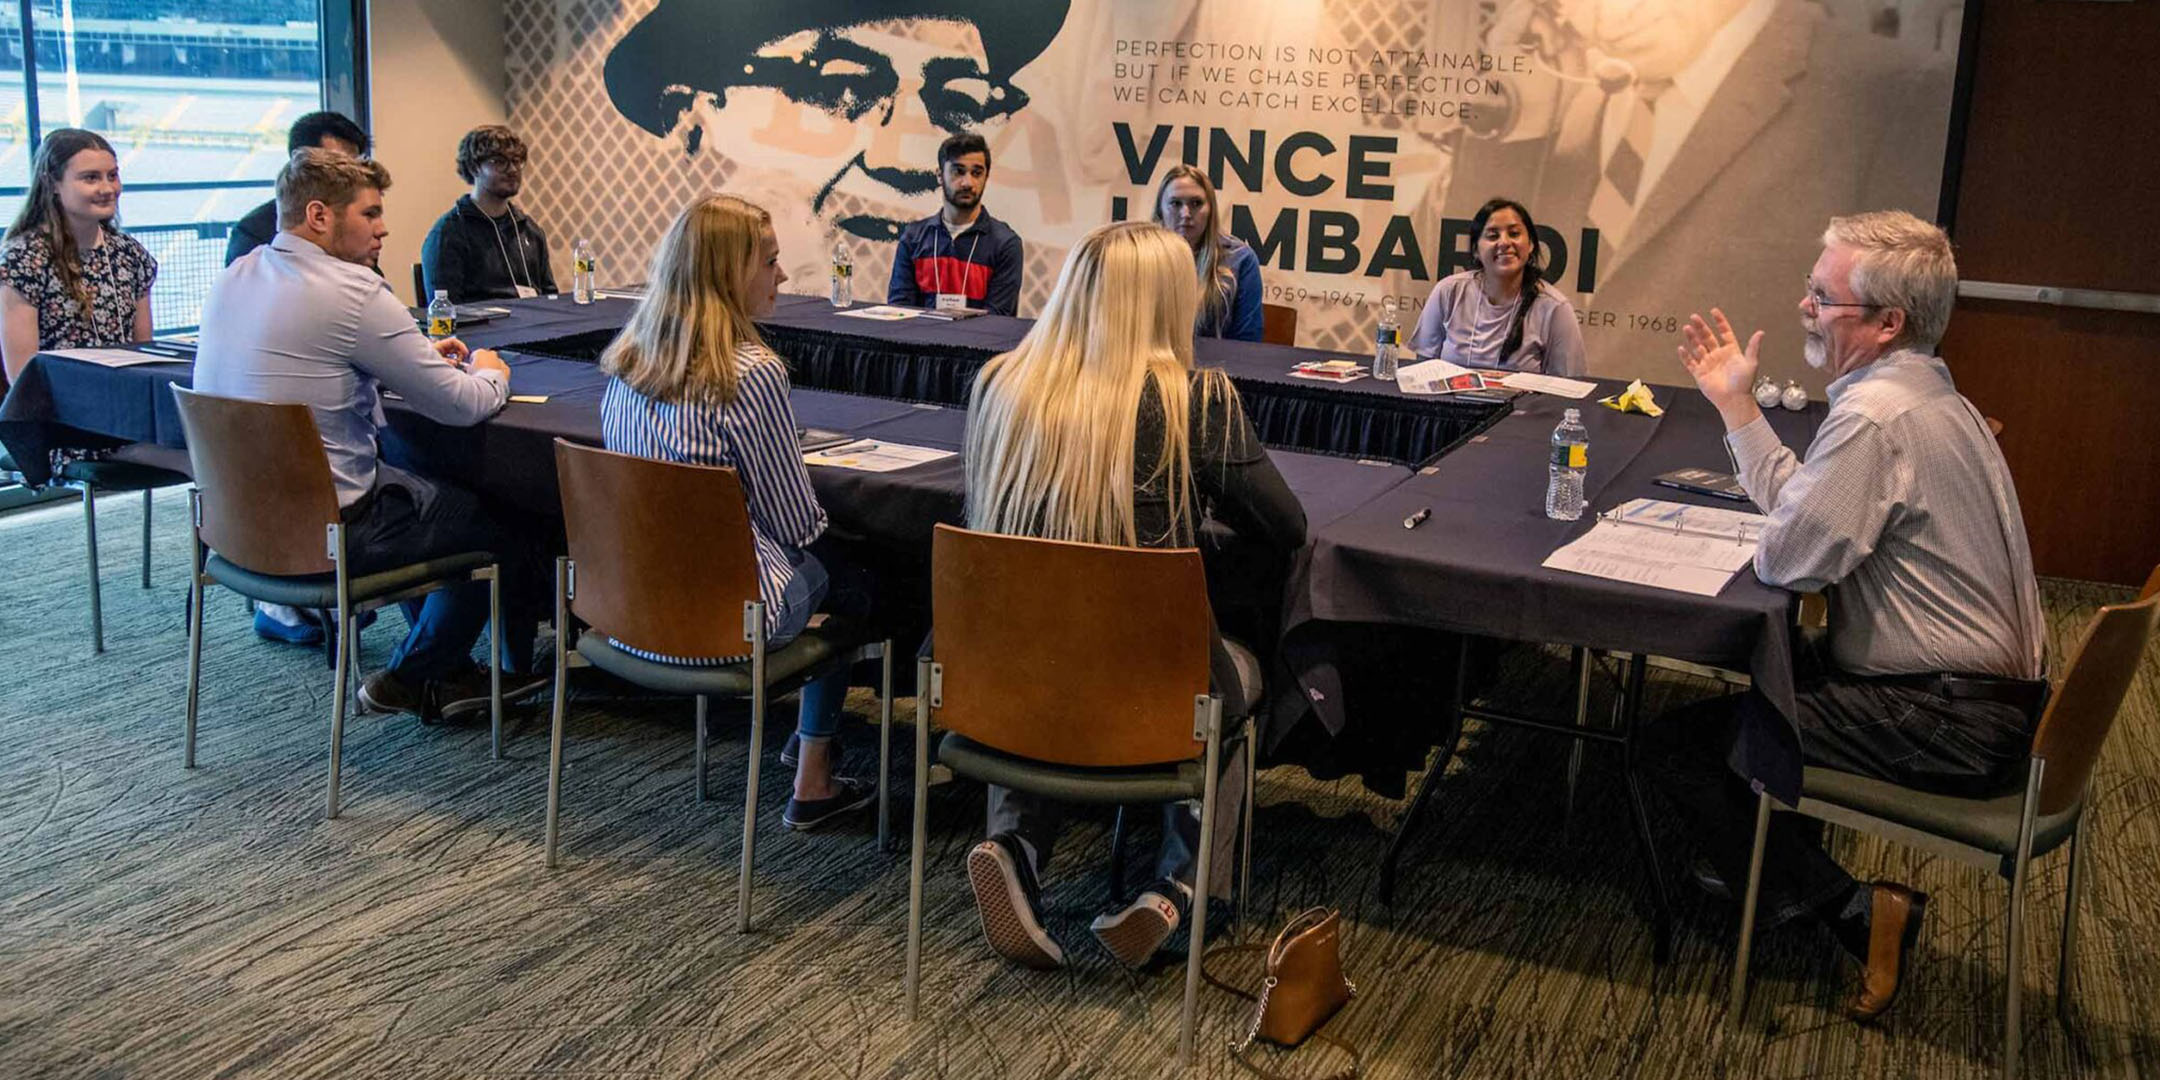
(304, 320)
(1904, 512)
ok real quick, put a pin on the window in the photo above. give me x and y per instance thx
(195, 96)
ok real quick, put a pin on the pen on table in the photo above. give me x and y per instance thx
(1417, 519)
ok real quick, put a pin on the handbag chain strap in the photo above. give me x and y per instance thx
(1241, 1046)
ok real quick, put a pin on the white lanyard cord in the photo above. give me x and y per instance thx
(952, 245)
(519, 233)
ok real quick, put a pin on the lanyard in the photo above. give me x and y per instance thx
(518, 232)
(952, 246)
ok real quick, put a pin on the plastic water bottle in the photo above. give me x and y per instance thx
(843, 275)
(441, 316)
(581, 273)
(1385, 340)
(1570, 460)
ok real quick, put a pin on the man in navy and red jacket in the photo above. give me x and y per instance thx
(960, 251)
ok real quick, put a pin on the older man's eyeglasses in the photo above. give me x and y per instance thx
(1818, 299)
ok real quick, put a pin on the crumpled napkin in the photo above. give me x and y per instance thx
(1635, 399)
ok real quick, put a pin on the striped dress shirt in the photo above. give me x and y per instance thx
(1904, 511)
(754, 435)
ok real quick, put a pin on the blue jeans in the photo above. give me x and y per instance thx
(838, 591)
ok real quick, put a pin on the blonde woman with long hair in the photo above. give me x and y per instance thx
(1227, 268)
(1097, 428)
(692, 381)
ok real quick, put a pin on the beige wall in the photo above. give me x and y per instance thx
(435, 70)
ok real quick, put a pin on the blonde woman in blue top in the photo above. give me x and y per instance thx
(1228, 271)
(693, 382)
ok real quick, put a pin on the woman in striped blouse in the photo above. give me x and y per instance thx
(693, 382)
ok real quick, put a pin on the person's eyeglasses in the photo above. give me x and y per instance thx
(1816, 298)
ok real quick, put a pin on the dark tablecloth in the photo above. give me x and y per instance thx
(934, 361)
(1474, 566)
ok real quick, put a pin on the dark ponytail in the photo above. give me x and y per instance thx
(1533, 268)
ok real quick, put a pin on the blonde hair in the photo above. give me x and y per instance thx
(331, 177)
(1211, 257)
(681, 341)
(1900, 261)
(1051, 424)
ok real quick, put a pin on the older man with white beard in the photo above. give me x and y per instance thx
(1903, 511)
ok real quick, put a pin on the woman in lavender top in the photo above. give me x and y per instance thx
(1502, 314)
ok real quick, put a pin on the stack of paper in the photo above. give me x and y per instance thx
(882, 313)
(868, 455)
(1665, 545)
(1330, 370)
(113, 357)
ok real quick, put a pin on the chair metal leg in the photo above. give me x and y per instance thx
(337, 706)
(1735, 1012)
(561, 695)
(1582, 664)
(884, 747)
(2013, 997)
(1203, 881)
(2074, 898)
(1252, 775)
(194, 646)
(97, 601)
(146, 538)
(495, 652)
(915, 851)
(750, 783)
(1117, 858)
(698, 756)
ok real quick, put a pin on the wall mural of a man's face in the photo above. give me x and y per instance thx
(854, 108)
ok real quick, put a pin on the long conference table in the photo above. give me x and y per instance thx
(1362, 457)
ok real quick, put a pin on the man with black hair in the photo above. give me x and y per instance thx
(328, 130)
(484, 247)
(959, 256)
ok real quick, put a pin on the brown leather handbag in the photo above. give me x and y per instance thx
(1305, 987)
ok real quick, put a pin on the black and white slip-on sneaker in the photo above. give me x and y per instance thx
(1132, 933)
(1005, 897)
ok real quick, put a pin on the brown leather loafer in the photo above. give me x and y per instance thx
(1893, 927)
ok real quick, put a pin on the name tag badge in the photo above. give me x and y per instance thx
(947, 301)
(526, 292)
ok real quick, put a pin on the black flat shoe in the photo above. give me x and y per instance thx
(854, 793)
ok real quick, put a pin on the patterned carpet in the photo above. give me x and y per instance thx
(156, 922)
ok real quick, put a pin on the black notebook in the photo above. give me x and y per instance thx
(1705, 482)
(812, 440)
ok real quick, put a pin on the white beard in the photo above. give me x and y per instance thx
(1816, 352)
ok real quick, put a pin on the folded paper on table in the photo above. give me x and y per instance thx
(1427, 376)
(1637, 398)
(1548, 384)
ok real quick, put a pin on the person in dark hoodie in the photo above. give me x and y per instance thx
(484, 248)
(329, 130)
